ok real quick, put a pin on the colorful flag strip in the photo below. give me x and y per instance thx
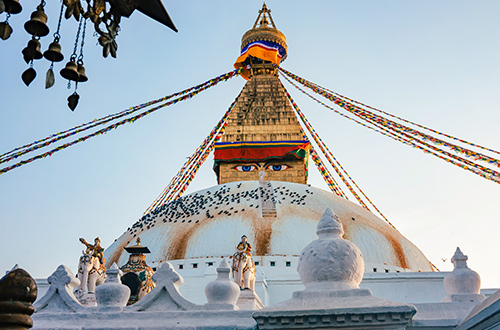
(407, 121)
(17, 152)
(186, 174)
(334, 162)
(212, 82)
(409, 135)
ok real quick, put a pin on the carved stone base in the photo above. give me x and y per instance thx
(87, 300)
(249, 300)
(464, 297)
(335, 309)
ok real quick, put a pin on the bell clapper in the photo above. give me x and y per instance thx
(11, 7)
(29, 75)
(54, 53)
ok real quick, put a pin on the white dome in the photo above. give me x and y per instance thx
(210, 222)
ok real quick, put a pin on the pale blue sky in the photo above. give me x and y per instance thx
(433, 62)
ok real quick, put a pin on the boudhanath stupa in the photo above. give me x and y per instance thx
(321, 260)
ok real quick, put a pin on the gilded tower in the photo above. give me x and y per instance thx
(263, 135)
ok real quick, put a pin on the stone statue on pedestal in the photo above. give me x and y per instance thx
(243, 266)
(91, 269)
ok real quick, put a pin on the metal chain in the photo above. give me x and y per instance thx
(73, 56)
(80, 58)
(41, 6)
(57, 36)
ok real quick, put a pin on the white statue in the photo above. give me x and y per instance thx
(243, 266)
(91, 269)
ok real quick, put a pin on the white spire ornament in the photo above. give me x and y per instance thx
(331, 269)
(331, 262)
(462, 284)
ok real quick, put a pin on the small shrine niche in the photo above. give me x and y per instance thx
(137, 275)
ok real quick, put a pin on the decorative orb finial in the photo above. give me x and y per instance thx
(112, 295)
(331, 262)
(462, 284)
(329, 225)
(222, 293)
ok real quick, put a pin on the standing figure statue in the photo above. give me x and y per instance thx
(243, 266)
(91, 269)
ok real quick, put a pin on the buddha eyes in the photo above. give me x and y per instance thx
(278, 167)
(249, 168)
(245, 168)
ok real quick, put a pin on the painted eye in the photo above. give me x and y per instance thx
(278, 167)
(245, 168)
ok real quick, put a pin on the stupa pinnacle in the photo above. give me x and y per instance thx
(263, 133)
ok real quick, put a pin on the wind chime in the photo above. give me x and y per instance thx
(105, 16)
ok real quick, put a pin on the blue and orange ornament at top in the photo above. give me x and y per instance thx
(261, 43)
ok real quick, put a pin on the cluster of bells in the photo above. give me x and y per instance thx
(11, 7)
(37, 27)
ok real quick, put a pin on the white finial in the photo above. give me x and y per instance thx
(462, 284)
(329, 225)
(114, 273)
(330, 262)
(112, 295)
(459, 260)
(222, 293)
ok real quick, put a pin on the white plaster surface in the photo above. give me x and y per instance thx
(441, 315)
(59, 297)
(462, 284)
(485, 315)
(112, 295)
(205, 224)
(330, 262)
(222, 293)
(331, 269)
(153, 320)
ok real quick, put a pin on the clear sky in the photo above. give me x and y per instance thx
(433, 62)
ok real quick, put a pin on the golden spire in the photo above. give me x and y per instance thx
(264, 13)
(261, 31)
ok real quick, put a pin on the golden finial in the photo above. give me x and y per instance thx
(138, 241)
(264, 31)
(265, 14)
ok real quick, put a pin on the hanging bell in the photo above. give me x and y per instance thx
(70, 71)
(73, 101)
(28, 76)
(81, 71)
(5, 30)
(54, 54)
(37, 25)
(32, 51)
(12, 6)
